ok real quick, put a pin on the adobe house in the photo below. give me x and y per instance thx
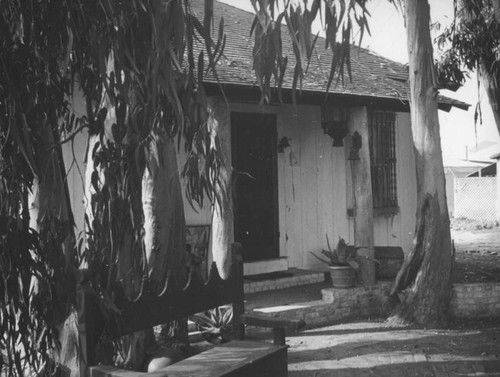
(293, 165)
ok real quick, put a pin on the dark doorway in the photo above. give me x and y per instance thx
(254, 143)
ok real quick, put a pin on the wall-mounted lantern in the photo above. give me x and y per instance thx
(334, 124)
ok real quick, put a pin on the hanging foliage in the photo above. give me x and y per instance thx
(35, 46)
(140, 65)
(472, 42)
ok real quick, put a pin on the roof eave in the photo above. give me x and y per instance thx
(442, 105)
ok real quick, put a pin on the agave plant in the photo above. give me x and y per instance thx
(343, 255)
(215, 325)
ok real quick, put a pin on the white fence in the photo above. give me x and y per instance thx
(475, 198)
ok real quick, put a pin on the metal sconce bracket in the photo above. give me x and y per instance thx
(356, 144)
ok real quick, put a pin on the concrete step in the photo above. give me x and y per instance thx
(320, 304)
(290, 303)
(281, 280)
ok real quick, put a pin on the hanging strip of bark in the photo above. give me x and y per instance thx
(164, 223)
(222, 217)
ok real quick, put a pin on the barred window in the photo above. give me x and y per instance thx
(383, 159)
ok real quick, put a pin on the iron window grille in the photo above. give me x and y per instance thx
(382, 126)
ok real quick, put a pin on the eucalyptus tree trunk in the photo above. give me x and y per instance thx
(423, 284)
(490, 79)
(51, 212)
(489, 74)
(488, 70)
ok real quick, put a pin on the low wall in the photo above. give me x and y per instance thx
(475, 300)
(358, 301)
(342, 304)
(467, 301)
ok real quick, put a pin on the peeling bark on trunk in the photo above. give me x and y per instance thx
(423, 284)
(362, 183)
(222, 216)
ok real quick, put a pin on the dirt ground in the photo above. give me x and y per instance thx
(477, 246)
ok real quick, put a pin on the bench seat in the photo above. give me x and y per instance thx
(233, 359)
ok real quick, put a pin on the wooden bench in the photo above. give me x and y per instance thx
(235, 358)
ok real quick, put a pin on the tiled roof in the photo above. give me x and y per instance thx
(372, 75)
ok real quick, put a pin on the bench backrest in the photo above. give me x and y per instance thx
(150, 309)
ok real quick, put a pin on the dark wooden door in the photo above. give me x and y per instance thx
(254, 143)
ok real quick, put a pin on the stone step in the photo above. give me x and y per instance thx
(281, 280)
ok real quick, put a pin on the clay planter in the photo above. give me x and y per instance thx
(343, 276)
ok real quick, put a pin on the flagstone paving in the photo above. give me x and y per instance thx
(377, 349)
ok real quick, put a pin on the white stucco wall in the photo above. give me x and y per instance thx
(313, 185)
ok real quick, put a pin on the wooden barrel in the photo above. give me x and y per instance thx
(390, 259)
(343, 276)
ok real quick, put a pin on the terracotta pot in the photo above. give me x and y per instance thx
(343, 276)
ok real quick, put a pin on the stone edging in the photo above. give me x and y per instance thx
(475, 300)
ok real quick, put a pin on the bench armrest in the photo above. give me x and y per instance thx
(279, 325)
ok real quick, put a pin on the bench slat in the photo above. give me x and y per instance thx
(236, 358)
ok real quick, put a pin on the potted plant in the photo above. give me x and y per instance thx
(341, 262)
(215, 325)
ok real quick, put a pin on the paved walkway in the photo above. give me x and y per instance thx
(376, 349)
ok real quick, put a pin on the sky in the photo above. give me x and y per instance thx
(459, 136)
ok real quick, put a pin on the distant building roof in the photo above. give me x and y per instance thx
(487, 171)
(372, 74)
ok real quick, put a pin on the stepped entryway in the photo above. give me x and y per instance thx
(319, 304)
